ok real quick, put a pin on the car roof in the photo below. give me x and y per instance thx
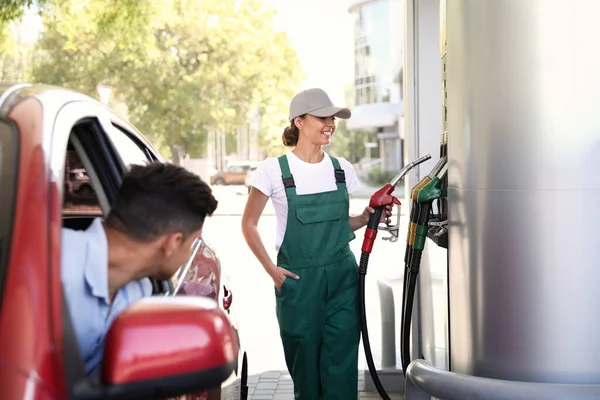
(13, 93)
(53, 98)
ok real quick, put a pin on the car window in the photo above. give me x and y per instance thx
(131, 152)
(79, 195)
(236, 170)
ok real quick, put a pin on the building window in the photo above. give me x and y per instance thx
(373, 70)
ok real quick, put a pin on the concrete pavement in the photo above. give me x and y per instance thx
(277, 385)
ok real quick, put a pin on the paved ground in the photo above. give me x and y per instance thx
(277, 385)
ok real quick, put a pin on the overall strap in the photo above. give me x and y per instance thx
(340, 175)
(286, 176)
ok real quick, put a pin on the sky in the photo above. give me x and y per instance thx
(322, 33)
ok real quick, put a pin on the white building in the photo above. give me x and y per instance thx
(378, 55)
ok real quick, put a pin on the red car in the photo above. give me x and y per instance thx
(165, 346)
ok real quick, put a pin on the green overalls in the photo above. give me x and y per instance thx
(318, 314)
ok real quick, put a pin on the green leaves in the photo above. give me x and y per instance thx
(181, 67)
(11, 10)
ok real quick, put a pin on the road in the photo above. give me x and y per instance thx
(253, 291)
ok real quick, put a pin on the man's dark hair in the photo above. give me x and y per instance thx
(159, 198)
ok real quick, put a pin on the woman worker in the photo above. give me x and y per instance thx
(317, 309)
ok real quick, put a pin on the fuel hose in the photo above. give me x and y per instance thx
(379, 201)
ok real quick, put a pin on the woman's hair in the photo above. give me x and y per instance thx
(290, 134)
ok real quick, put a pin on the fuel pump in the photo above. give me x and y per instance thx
(428, 190)
(425, 224)
(379, 200)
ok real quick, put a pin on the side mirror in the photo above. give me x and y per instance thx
(168, 346)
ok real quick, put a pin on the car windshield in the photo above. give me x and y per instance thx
(8, 168)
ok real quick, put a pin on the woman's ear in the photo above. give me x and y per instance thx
(298, 122)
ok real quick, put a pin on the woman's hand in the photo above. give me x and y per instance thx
(385, 216)
(279, 275)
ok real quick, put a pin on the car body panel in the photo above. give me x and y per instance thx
(27, 282)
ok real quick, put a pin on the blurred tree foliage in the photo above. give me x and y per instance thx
(347, 144)
(11, 10)
(183, 68)
(15, 57)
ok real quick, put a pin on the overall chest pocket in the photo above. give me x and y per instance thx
(323, 228)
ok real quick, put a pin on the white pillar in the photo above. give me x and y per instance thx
(422, 85)
(423, 132)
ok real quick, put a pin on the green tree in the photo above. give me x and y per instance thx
(15, 56)
(7, 52)
(11, 10)
(183, 67)
(348, 144)
(89, 42)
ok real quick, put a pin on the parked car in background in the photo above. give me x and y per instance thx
(78, 182)
(235, 174)
(52, 140)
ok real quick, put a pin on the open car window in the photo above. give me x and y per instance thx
(80, 183)
(80, 197)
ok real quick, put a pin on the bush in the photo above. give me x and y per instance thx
(378, 177)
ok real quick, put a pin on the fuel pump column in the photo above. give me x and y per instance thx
(524, 189)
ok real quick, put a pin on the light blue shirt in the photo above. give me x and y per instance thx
(84, 275)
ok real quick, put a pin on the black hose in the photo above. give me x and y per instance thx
(414, 217)
(362, 272)
(413, 271)
(404, 292)
(406, 322)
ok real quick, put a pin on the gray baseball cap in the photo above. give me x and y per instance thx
(316, 102)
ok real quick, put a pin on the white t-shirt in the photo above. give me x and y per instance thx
(309, 179)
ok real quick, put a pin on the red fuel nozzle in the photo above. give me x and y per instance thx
(379, 200)
(383, 197)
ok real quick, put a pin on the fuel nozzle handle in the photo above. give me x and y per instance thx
(382, 198)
